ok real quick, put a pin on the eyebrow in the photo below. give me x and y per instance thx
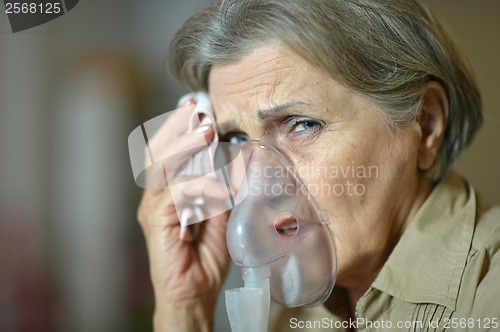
(229, 125)
(276, 110)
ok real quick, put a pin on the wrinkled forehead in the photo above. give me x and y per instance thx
(267, 77)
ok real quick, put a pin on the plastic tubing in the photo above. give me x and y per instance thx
(248, 307)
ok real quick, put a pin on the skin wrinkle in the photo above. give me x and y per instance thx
(365, 227)
(388, 57)
(280, 109)
(257, 74)
(272, 63)
(350, 65)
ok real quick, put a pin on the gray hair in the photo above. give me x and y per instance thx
(386, 50)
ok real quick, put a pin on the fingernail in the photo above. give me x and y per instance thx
(202, 129)
(188, 102)
(185, 234)
(198, 201)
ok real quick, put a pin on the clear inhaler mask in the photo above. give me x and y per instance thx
(276, 232)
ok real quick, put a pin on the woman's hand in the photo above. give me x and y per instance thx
(186, 275)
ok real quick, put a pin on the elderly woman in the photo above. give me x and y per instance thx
(374, 83)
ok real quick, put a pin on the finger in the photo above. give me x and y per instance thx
(206, 186)
(175, 123)
(199, 199)
(170, 157)
(190, 101)
(188, 189)
(158, 131)
(189, 233)
(156, 210)
(162, 147)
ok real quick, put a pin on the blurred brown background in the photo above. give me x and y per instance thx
(475, 27)
(72, 257)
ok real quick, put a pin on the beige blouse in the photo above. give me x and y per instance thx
(444, 273)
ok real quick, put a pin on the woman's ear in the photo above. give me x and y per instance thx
(433, 118)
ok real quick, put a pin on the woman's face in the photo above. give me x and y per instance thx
(362, 172)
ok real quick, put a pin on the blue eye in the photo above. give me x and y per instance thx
(236, 138)
(304, 126)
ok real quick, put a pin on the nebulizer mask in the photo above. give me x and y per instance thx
(276, 234)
